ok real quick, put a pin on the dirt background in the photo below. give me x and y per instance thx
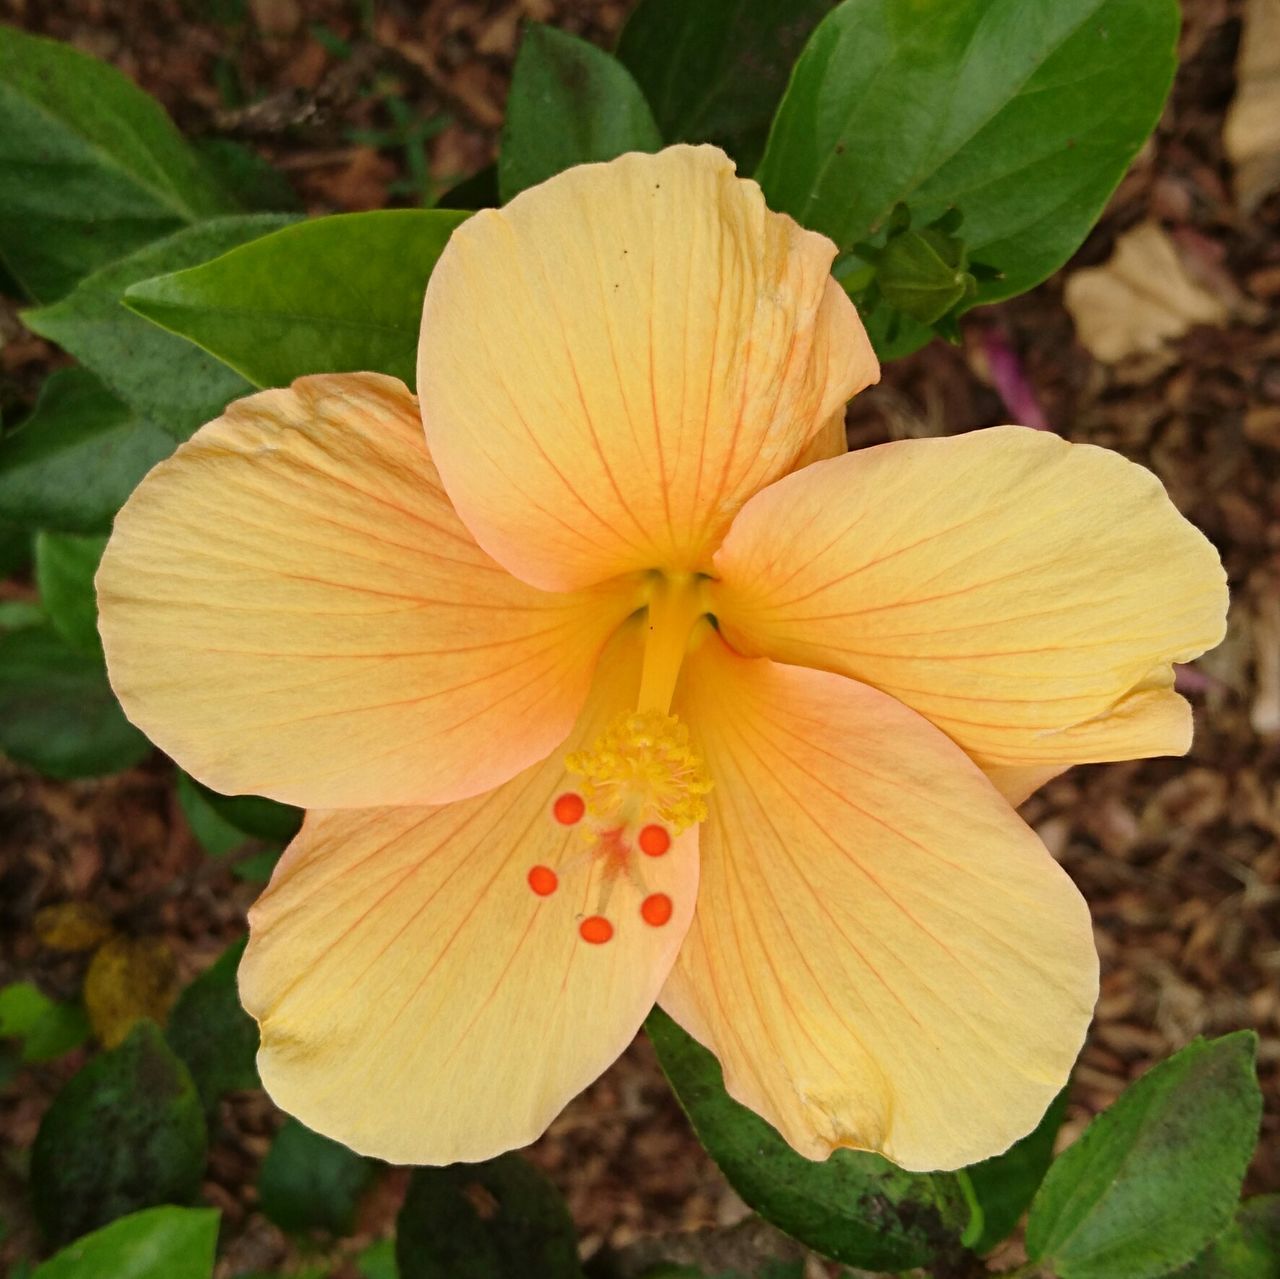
(365, 105)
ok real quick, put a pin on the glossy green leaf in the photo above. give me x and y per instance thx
(57, 711)
(714, 70)
(126, 1132)
(570, 103)
(46, 1027)
(210, 1030)
(157, 1243)
(262, 818)
(310, 1182)
(91, 168)
(1249, 1248)
(854, 1206)
(1156, 1176)
(213, 832)
(72, 463)
(65, 566)
(1024, 116)
(331, 295)
(497, 1220)
(169, 382)
(1005, 1184)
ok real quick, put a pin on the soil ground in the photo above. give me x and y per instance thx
(1179, 859)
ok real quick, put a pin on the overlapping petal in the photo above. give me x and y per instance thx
(291, 607)
(1027, 595)
(883, 956)
(417, 1000)
(614, 362)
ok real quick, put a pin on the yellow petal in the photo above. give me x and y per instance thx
(883, 956)
(290, 606)
(832, 440)
(418, 1001)
(613, 363)
(1027, 595)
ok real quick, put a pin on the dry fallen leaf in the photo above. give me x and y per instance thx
(128, 979)
(1140, 299)
(1251, 134)
(72, 925)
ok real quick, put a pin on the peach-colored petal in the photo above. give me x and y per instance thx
(418, 1000)
(613, 363)
(1027, 595)
(832, 440)
(291, 607)
(884, 956)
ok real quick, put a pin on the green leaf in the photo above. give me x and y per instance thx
(213, 832)
(57, 711)
(1249, 1248)
(332, 295)
(479, 191)
(378, 1261)
(167, 381)
(72, 463)
(257, 868)
(46, 1028)
(310, 1182)
(15, 548)
(1024, 117)
(256, 816)
(65, 566)
(91, 168)
(714, 70)
(157, 1243)
(497, 1220)
(210, 1030)
(127, 1132)
(258, 186)
(1154, 1178)
(854, 1206)
(1005, 1184)
(570, 103)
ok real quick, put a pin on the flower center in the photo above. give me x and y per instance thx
(642, 781)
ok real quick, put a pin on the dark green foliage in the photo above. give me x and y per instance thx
(1156, 1177)
(714, 70)
(127, 1132)
(210, 1030)
(65, 567)
(309, 1182)
(330, 295)
(1022, 116)
(165, 380)
(91, 168)
(570, 103)
(496, 1220)
(855, 1207)
(1006, 1184)
(72, 463)
(57, 711)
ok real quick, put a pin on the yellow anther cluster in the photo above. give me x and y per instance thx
(643, 768)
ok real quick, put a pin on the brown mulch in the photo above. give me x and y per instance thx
(1180, 859)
